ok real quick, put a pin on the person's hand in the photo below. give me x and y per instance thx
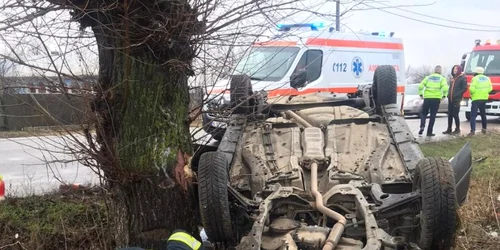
(421, 97)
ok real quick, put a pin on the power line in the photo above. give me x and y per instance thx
(431, 23)
(439, 18)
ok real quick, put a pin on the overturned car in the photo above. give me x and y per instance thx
(321, 172)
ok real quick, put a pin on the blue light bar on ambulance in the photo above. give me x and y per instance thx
(287, 27)
(382, 34)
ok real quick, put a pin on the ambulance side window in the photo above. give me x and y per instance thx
(312, 61)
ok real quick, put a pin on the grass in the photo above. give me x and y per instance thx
(480, 214)
(55, 221)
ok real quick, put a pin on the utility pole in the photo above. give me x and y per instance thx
(337, 15)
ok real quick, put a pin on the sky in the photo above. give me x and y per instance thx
(421, 25)
(432, 44)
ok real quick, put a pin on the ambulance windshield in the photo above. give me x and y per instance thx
(489, 60)
(267, 63)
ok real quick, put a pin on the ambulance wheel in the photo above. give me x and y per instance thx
(385, 84)
(435, 180)
(241, 90)
(467, 116)
(213, 195)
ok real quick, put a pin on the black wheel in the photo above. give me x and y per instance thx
(467, 116)
(385, 85)
(213, 196)
(241, 90)
(435, 179)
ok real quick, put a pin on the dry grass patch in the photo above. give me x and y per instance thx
(71, 221)
(479, 216)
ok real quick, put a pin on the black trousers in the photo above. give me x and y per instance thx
(430, 105)
(481, 105)
(453, 114)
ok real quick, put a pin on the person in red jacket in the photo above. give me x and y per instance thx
(458, 86)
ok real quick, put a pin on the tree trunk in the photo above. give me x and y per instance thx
(150, 149)
(141, 108)
(147, 147)
(147, 213)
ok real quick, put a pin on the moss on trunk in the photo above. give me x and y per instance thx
(152, 148)
(154, 125)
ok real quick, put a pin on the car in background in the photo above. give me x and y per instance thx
(413, 102)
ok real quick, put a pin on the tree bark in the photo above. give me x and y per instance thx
(150, 147)
(145, 52)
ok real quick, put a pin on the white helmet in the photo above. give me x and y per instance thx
(478, 70)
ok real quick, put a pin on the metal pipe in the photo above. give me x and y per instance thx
(298, 118)
(338, 229)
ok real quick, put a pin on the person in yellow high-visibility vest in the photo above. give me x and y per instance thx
(178, 240)
(480, 88)
(432, 89)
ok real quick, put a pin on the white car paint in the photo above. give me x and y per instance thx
(338, 72)
(348, 60)
(413, 102)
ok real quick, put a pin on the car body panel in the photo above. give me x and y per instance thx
(462, 167)
(314, 163)
(413, 102)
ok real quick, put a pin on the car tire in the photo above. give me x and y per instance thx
(467, 116)
(241, 90)
(435, 179)
(385, 85)
(213, 196)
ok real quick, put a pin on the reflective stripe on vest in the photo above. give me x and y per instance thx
(186, 239)
(482, 86)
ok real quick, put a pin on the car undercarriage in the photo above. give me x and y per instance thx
(318, 171)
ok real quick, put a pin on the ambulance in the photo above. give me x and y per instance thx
(336, 63)
(486, 55)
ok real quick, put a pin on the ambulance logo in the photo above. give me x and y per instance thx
(357, 67)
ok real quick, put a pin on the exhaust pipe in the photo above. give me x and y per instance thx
(297, 118)
(338, 229)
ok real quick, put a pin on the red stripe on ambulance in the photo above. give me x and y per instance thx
(353, 44)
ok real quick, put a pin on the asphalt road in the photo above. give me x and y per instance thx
(442, 123)
(36, 165)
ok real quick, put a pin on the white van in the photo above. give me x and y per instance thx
(335, 63)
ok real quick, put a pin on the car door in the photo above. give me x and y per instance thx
(443, 105)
